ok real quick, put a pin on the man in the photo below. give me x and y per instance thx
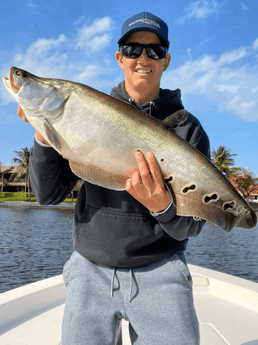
(131, 242)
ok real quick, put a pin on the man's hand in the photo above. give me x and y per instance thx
(22, 115)
(147, 186)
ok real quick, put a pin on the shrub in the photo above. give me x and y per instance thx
(18, 195)
(6, 194)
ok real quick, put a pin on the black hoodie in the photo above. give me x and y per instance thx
(111, 228)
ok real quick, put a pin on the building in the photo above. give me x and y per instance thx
(253, 195)
(7, 183)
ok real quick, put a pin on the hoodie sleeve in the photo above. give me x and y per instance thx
(51, 177)
(180, 227)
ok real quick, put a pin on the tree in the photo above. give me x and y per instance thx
(2, 188)
(222, 159)
(245, 181)
(76, 187)
(23, 168)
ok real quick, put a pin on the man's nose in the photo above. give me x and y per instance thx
(143, 56)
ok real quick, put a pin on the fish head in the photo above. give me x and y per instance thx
(37, 96)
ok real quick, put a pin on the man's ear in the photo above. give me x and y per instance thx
(119, 59)
(167, 61)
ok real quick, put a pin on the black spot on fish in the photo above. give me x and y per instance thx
(209, 198)
(170, 179)
(228, 206)
(189, 188)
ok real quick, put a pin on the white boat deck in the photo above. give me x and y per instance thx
(227, 309)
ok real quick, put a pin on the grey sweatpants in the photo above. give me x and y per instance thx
(156, 299)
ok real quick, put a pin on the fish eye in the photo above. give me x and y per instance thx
(18, 73)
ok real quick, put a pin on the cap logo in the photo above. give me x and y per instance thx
(145, 21)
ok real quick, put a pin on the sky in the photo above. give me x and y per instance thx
(213, 45)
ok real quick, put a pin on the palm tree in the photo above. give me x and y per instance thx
(222, 159)
(23, 168)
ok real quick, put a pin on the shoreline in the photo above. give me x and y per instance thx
(28, 204)
(35, 205)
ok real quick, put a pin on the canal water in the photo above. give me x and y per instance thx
(36, 243)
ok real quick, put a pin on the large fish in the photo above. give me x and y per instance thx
(99, 134)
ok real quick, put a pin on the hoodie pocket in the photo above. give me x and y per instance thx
(181, 265)
(67, 268)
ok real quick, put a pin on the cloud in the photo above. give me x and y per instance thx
(89, 72)
(255, 44)
(44, 57)
(189, 53)
(32, 7)
(200, 9)
(57, 57)
(244, 7)
(203, 43)
(80, 20)
(32, 4)
(228, 80)
(95, 37)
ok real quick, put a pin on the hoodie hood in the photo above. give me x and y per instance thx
(168, 103)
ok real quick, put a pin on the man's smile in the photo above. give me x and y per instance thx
(143, 71)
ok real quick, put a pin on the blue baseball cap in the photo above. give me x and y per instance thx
(145, 21)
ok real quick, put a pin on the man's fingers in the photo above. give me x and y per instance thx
(154, 168)
(136, 180)
(143, 169)
(21, 113)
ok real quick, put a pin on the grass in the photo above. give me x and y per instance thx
(68, 200)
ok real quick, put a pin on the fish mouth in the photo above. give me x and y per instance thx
(14, 75)
(6, 82)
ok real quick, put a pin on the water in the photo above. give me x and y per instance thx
(36, 243)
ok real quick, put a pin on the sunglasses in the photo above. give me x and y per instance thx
(134, 50)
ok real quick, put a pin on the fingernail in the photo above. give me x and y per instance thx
(138, 153)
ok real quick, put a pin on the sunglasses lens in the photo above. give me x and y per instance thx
(131, 51)
(154, 52)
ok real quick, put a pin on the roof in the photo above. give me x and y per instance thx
(233, 179)
(8, 169)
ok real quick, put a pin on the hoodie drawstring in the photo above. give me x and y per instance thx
(132, 279)
(131, 100)
(112, 281)
(151, 105)
(131, 286)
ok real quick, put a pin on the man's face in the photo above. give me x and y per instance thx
(143, 74)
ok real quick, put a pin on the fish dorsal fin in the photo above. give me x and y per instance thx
(177, 118)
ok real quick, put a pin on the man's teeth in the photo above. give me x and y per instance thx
(143, 71)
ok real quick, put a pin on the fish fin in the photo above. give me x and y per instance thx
(178, 118)
(98, 176)
(189, 207)
(52, 136)
(169, 186)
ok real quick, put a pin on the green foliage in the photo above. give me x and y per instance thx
(222, 159)
(6, 194)
(16, 195)
(245, 181)
(23, 167)
(22, 196)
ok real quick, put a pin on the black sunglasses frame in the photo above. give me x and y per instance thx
(142, 46)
